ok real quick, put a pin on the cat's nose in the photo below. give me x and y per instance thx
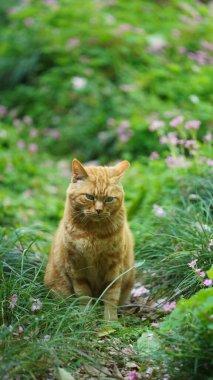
(98, 206)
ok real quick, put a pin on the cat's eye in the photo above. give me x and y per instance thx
(90, 197)
(109, 199)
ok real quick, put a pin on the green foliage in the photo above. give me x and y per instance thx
(85, 70)
(210, 273)
(184, 339)
(168, 243)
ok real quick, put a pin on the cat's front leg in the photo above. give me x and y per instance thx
(82, 290)
(111, 300)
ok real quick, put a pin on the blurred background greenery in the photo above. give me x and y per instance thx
(100, 81)
(88, 79)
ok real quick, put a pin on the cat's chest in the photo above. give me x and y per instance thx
(93, 252)
(93, 258)
(87, 246)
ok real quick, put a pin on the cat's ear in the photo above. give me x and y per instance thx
(120, 168)
(78, 171)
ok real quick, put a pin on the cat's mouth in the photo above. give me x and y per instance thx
(97, 217)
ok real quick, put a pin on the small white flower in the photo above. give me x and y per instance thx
(202, 227)
(78, 83)
(137, 292)
(193, 197)
(47, 338)
(194, 99)
(158, 211)
(36, 306)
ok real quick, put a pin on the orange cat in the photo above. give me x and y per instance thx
(93, 246)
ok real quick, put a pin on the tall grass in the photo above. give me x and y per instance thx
(172, 241)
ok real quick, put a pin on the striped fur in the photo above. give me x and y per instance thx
(93, 245)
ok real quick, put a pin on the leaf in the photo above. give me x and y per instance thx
(96, 372)
(62, 374)
(132, 365)
(105, 331)
(148, 343)
(210, 273)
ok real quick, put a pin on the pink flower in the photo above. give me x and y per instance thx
(28, 21)
(163, 139)
(137, 292)
(169, 306)
(124, 124)
(177, 121)
(51, 3)
(207, 45)
(33, 148)
(33, 132)
(199, 56)
(16, 122)
(209, 162)
(122, 28)
(154, 156)
(192, 263)
(133, 375)
(73, 42)
(190, 143)
(177, 162)
(200, 273)
(12, 301)
(158, 211)
(20, 330)
(125, 136)
(124, 133)
(207, 282)
(27, 120)
(111, 122)
(156, 124)
(54, 133)
(172, 138)
(154, 324)
(202, 159)
(208, 137)
(193, 124)
(36, 306)
(20, 144)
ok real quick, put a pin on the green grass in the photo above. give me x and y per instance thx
(60, 334)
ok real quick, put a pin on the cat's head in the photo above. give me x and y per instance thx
(95, 192)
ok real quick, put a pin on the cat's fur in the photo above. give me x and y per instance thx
(93, 245)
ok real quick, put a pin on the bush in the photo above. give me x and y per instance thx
(183, 340)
